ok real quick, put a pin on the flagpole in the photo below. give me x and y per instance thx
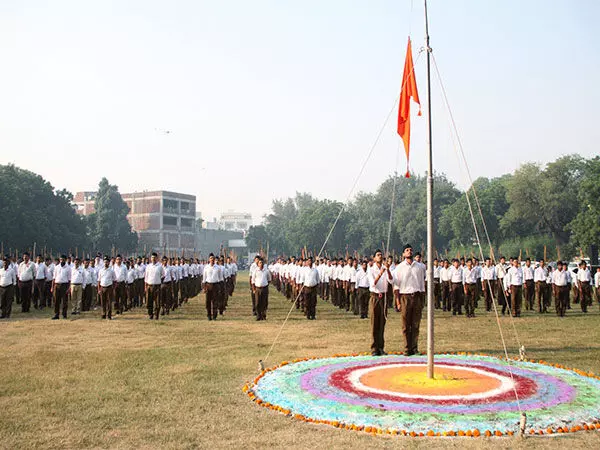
(430, 287)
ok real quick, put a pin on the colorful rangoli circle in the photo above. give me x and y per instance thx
(471, 395)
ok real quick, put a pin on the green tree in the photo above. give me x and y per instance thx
(456, 221)
(544, 201)
(33, 211)
(586, 225)
(257, 238)
(108, 226)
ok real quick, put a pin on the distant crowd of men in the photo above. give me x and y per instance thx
(115, 284)
(369, 287)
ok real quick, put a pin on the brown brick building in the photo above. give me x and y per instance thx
(162, 219)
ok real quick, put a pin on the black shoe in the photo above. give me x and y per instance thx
(104, 316)
(221, 312)
(2, 316)
(55, 317)
(375, 353)
(409, 353)
(382, 353)
(149, 317)
(209, 317)
(64, 316)
(109, 317)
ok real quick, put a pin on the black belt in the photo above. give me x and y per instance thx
(76, 284)
(166, 282)
(4, 287)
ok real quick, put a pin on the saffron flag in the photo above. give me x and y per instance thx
(408, 90)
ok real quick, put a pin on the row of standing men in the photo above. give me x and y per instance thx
(117, 284)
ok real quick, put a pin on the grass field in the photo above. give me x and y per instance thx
(176, 383)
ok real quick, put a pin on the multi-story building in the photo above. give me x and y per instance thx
(164, 220)
(235, 221)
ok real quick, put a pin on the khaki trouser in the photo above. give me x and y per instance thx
(377, 311)
(61, 298)
(470, 294)
(411, 306)
(76, 297)
(212, 300)
(105, 294)
(516, 297)
(262, 301)
(153, 299)
(488, 287)
(7, 294)
(363, 301)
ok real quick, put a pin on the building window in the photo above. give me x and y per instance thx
(185, 206)
(170, 205)
(169, 221)
(187, 223)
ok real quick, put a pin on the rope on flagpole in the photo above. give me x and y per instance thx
(344, 205)
(478, 240)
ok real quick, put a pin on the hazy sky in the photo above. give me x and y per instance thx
(266, 98)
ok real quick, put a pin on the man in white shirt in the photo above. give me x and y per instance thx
(106, 288)
(166, 288)
(130, 280)
(140, 272)
(261, 277)
(584, 280)
(470, 287)
(88, 287)
(120, 271)
(560, 286)
(39, 283)
(437, 284)
(409, 276)
(513, 282)
(310, 283)
(26, 276)
(48, 285)
(362, 290)
(446, 285)
(488, 283)
(380, 277)
(78, 280)
(528, 284)
(60, 287)
(253, 267)
(8, 281)
(155, 273)
(455, 273)
(211, 279)
(347, 277)
(501, 269)
(541, 287)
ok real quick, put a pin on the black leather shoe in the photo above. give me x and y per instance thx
(55, 317)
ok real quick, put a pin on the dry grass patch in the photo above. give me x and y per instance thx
(176, 383)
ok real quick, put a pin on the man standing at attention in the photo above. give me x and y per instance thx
(261, 277)
(106, 288)
(310, 281)
(78, 280)
(8, 280)
(513, 284)
(380, 277)
(26, 276)
(529, 284)
(60, 286)
(155, 272)
(410, 279)
(210, 278)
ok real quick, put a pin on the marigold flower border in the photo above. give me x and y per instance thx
(248, 389)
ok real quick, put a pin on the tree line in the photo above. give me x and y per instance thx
(551, 210)
(34, 213)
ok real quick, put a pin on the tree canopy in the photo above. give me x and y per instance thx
(536, 210)
(108, 226)
(33, 211)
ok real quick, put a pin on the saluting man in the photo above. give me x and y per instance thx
(380, 277)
